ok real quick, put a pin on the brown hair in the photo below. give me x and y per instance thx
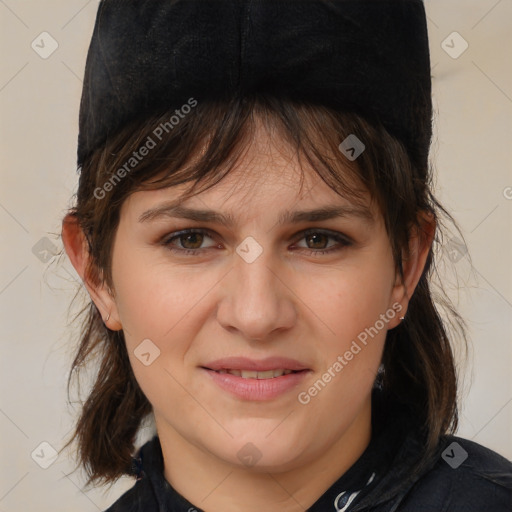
(418, 363)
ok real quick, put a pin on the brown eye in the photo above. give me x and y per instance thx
(318, 240)
(191, 240)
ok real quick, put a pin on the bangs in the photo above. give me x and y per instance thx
(207, 144)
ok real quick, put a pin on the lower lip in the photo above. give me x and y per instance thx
(257, 389)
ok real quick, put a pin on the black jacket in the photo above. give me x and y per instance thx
(392, 475)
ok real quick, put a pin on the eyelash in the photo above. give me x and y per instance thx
(341, 239)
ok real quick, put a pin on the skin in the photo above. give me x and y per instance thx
(288, 302)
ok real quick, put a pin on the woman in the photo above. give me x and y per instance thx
(256, 229)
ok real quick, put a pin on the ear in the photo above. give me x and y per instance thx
(413, 263)
(77, 249)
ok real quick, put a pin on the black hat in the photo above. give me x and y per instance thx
(365, 56)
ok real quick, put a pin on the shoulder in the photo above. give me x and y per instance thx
(467, 477)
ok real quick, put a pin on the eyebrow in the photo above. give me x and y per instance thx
(175, 210)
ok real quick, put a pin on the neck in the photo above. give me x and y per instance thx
(213, 484)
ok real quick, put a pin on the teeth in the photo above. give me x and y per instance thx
(248, 374)
(251, 374)
(269, 374)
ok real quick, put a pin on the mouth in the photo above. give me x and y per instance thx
(251, 374)
(256, 380)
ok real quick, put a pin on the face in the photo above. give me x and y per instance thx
(257, 334)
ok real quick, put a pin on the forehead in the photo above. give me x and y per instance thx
(266, 175)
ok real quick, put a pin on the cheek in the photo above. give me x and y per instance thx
(156, 303)
(349, 300)
(163, 304)
(153, 297)
(353, 309)
(353, 314)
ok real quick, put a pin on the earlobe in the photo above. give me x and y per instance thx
(75, 244)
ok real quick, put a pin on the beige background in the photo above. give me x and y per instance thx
(39, 100)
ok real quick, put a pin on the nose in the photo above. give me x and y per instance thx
(257, 301)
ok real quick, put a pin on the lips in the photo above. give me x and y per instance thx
(256, 380)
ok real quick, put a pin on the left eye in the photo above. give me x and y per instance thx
(192, 239)
(320, 238)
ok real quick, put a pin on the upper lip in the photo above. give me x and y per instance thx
(261, 365)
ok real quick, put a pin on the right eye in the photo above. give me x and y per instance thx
(193, 237)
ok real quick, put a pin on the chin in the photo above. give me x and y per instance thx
(260, 453)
